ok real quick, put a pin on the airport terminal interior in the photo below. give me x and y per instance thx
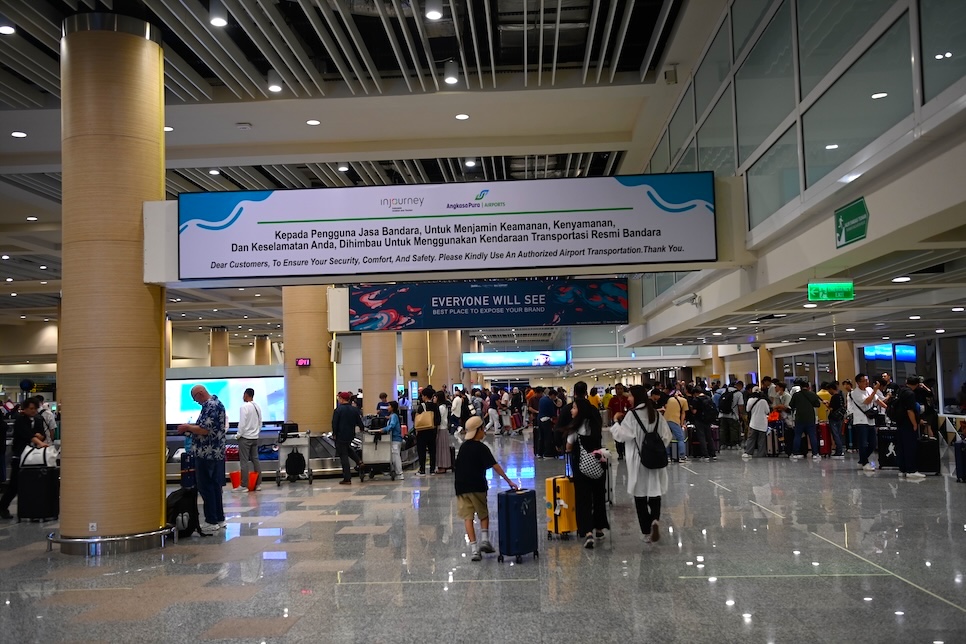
(269, 194)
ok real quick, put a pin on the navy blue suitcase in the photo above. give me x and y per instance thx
(517, 516)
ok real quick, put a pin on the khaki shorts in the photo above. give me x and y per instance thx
(472, 503)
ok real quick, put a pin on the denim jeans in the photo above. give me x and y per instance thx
(800, 430)
(836, 428)
(864, 436)
(678, 434)
(210, 475)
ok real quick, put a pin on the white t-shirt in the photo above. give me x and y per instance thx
(857, 406)
(758, 409)
(249, 421)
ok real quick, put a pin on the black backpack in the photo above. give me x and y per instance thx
(652, 451)
(182, 512)
(294, 465)
(707, 413)
(894, 412)
(726, 404)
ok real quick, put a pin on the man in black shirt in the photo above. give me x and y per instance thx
(26, 431)
(472, 462)
(346, 419)
(907, 421)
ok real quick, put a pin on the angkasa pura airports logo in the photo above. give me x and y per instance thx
(476, 203)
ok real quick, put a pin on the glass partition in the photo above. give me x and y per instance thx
(773, 180)
(943, 33)
(746, 14)
(688, 161)
(681, 124)
(713, 70)
(660, 160)
(716, 142)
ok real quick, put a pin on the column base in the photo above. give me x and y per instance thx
(100, 546)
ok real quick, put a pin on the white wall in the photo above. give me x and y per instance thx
(348, 373)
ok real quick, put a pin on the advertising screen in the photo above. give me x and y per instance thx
(878, 352)
(905, 353)
(515, 359)
(269, 396)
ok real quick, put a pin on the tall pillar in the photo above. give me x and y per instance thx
(168, 343)
(309, 395)
(718, 364)
(766, 363)
(378, 367)
(455, 358)
(415, 350)
(112, 115)
(439, 358)
(845, 366)
(218, 346)
(263, 350)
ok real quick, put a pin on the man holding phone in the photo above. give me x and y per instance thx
(864, 404)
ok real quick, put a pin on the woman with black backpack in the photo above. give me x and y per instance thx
(646, 436)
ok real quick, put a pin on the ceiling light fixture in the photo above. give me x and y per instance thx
(31, 218)
(958, 309)
(879, 95)
(313, 122)
(15, 295)
(949, 54)
(9, 279)
(716, 333)
(343, 166)
(850, 330)
(937, 330)
(470, 163)
(214, 172)
(462, 117)
(732, 328)
(7, 28)
(274, 81)
(914, 317)
(168, 128)
(939, 56)
(821, 335)
(910, 335)
(8, 257)
(434, 9)
(902, 279)
(754, 322)
(810, 306)
(451, 72)
(18, 135)
(832, 146)
(217, 14)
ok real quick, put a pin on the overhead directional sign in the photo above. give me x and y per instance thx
(851, 223)
(831, 291)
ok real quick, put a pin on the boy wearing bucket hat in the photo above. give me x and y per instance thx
(472, 462)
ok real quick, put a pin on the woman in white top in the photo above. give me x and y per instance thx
(444, 457)
(590, 494)
(758, 409)
(647, 486)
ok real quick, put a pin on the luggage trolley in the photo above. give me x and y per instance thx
(376, 448)
(293, 440)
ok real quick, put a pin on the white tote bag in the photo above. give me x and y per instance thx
(43, 456)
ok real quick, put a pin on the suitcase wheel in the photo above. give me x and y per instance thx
(519, 559)
(500, 558)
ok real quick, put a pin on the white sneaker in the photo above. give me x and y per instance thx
(916, 475)
(816, 457)
(869, 467)
(400, 477)
(839, 457)
(796, 457)
(209, 528)
(746, 456)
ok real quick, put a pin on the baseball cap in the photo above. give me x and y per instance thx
(473, 425)
(345, 395)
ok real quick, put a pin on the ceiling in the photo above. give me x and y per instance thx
(553, 88)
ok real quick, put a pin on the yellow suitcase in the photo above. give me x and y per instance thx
(561, 509)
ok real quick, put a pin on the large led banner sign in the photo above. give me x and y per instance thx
(515, 359)
(562, 223)
(482, 303)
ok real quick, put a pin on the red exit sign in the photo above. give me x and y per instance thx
(303, 362)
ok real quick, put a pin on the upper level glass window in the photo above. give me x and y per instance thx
(716, 142)
(713, 70)
(660, 161)
(773, 179)
(681, 123)
(745, 16)
(943, 26)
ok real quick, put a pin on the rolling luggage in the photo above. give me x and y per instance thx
(38, 493)
(675, 449)
(775, 438)
(181, 511)
(928, 460)
(516, 421)
(548, 445)
(824, 439)
(517, 529)
(187, 470)
(959, 452)
(561, 507)
(886, 442)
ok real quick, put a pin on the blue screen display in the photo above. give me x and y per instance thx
(515, 359)
(878, 352)
(906, 352)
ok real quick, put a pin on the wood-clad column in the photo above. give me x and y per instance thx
(263, 350)
(766, 363)
(415, 350)
(718, 365)
(378, 367)
(439, 358)
(455, 357)
(309, 395)
(218, 347)
(168, 343)
(845, 366)
(112, 331)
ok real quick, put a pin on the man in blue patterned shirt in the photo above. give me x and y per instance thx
(208, 448)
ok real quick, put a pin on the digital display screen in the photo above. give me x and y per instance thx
(878, 352)
(303, 362)
(906, 352)
(180, 408)
(515, 359)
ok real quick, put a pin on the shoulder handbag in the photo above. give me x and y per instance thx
(871, 412)
(587, 463)
(425, 419)
(42, 456)
(652, 449)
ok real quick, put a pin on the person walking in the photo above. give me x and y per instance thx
(584, 436)
(249, 426)
(427, 427)
(863, 407)
(208, 448)
(346, 420)
(647, 486)
(758, 409)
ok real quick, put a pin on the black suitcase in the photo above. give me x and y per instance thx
(517, 516)
(181, 511)
(928, 460)
(886, 442)
(959, 452)
(38, 493)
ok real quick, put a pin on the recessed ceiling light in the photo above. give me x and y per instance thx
(13, 295)
(470, 163)
(214, 310)
(716, 333)
(244, 316)
(256, 295)
(23, 317)
(4, 256)
(43, 282)
(958, 309)
(832, 146)
(850, 330)
(199, 328)
(781, 315)
(810, 306)
(7, 28)
(885, 337)
(949, 54)
(183, 314)
(214, 171)
(168, 128)
(46, 319)
(914, 317)
(313, 122)
(754, 321)
(937, 330)
(343, 166)
(462, 117)
(901, 279)
(31, 218)
(803, 338)
(732, 328)
(784, 341)
(879, 95)
(939, 56)
(18, 135)
(9, 279)
(43, 268)
(821, 335)
(910, 335)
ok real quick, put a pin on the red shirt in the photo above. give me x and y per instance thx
(618, 404)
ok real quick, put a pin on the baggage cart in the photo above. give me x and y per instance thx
(301, 442)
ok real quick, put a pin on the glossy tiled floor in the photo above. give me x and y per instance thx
(759, 551)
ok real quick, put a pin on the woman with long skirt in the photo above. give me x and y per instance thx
(444, 457)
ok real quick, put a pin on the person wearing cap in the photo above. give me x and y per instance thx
(472, 462)
(346, 420)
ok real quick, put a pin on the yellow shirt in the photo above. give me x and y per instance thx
(607, 398)
(822, 412)
(594, 400)
(675, 408)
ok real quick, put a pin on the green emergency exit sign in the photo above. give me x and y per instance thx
(831, 291)
(851, 223)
